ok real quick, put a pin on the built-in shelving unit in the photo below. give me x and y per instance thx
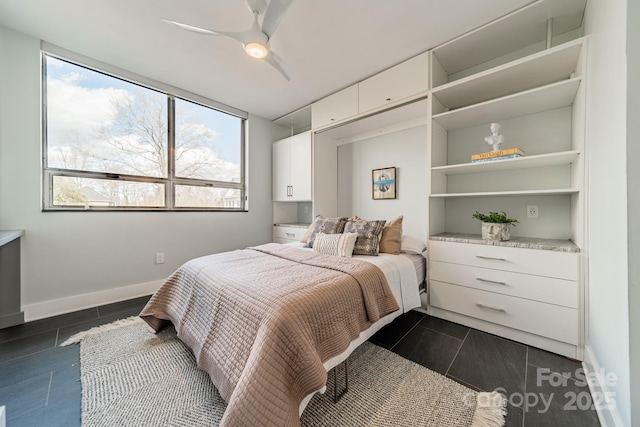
(524, 71)
(535, 91)
(536, 100)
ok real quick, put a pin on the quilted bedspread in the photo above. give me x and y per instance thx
(262, 320)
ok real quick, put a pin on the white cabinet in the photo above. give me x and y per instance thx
(284, 233)
(334, 108)
(292, 168)
(402, 81)
(528, 295)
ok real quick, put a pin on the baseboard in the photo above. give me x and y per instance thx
(609, 417)
(41, 310)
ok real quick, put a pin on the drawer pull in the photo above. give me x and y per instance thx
(501, 310)
(490, 257)
(290, 234)
(490, 281)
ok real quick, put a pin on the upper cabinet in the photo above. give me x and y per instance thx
(334, 108)
(292, 168)
(394, 87)
(395, 84)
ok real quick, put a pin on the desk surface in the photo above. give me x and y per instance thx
(7, 236)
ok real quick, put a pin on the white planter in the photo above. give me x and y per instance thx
(495, 231)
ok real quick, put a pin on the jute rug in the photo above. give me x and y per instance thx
(131, 377)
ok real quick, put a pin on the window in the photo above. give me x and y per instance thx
(110, 144)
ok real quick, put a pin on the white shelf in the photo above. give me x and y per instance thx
(298, 121)
(524, 27)
(526, 162)
(549, 97)
(546, 192)
(536, 70)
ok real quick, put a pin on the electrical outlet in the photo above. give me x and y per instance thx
(160, 258)
(532, 211)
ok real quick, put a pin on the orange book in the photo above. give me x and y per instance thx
(499, 153)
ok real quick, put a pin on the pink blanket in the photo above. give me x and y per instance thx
(261, 321)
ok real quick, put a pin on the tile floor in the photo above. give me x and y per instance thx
(542, 387)
(39, 380)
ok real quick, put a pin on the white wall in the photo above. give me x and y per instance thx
(407, 151)
(608, 314)
(108, 255)
(633, 195)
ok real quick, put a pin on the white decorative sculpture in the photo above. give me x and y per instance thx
(495, 139)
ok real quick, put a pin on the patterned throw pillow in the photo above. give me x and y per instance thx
(335, 244)
(391, 239)
(326, 226)
(368, 235)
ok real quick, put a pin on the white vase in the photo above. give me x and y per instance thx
(495, 231)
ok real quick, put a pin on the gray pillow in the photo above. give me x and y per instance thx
(368, 235)
(326, 226)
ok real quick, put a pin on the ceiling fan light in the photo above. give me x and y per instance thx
(256, 50)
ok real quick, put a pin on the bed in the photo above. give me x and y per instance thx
(268, 322)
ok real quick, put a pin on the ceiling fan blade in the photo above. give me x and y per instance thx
(273, 15)
(192, 28)
(276, 62)
(241, 37)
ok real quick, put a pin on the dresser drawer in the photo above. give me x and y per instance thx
(547, 320)
(537, 288)
(291, 234)
(562, 265)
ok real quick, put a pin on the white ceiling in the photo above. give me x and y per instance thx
(327, 44)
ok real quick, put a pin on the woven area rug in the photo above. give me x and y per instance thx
(132, 377)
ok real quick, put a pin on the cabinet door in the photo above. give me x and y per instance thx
(280, 165)
(404, 80)
(300, 167)
(335, 107)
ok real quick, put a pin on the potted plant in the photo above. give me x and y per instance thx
(496, 226)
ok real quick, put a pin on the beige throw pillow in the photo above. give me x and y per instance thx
(391, 240)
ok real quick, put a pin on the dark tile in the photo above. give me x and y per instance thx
(64, 384)
(428, 348)
(514, 417)
(35, 364)
(491, 363)
(555, 363)
(25, 396)
(136, 304)
(48, 324)
(471, 386)
(555, 400)
(65, 413)
(14, 349)
(445, 327)
(389, 335)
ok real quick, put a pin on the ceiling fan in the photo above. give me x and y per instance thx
(256, 39)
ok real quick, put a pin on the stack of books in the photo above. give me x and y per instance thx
(489, 156)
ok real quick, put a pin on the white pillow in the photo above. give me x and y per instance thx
(335, 244)
(412, 245)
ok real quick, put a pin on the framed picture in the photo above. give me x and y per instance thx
(384, 183)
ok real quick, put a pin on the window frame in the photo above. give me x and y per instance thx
(171, 181)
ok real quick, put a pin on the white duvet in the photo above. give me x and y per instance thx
(401, 275)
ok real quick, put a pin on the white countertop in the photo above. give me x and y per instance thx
(8, 236)
(514, 242)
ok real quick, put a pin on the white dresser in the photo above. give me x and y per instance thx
(287, 233)
(526, 290)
